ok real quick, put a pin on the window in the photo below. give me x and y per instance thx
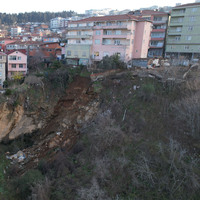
(97, 41)
(108, 32)
(12, 58)
(75, 53)
(119, 23)
(96, 53)
(98, 32)
(21, 66)
(182, 11)
(180, 19)
(178, 29)
(78, 41)
(190, 28)
(189, 38)
(192, 19)
(108, 23)
(107, 41)
(68, 53)
(0, 73)
(99, 24)
(177, 38)
(157, 19)
(19, 57)
(105, 54)
(1, 65)
(117, 42)
(118, 32)
(186, 47)
(1, 57)
(194, 9)
(84, 54)
(13, 65)
(119, 54)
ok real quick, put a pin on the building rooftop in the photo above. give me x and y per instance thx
(14, 50)
(110, 18)
(153, 12)
(187, 5)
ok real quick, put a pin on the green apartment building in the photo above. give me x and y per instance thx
(183, 37)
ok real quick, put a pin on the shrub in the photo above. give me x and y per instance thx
(23, 184)
(147, 92)
(8, 92)
(187, 114)
(111, 62)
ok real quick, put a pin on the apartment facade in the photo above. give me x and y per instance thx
(15, 31)
(93, 38)
(3, 58)
(183, 32)
(17, 63)
(159, 31)
(58, 22)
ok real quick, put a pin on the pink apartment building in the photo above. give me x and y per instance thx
(125, 35)
(17, 63)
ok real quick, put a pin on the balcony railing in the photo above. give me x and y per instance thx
(78, 36)
(160, 21)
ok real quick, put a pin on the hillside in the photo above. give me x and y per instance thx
(130, 135)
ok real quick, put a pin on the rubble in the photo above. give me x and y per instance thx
(18, 157)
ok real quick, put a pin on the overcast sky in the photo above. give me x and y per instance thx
(81, 5)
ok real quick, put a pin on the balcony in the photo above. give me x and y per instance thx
(160, 22)
(123, 36)
(80, 28)
(115, 27)
(116, 45)
(174, 32)
(78, 36)
(178, 13)
(156, 45)
(158, 30)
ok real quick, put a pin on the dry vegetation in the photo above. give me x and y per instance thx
(143, 144)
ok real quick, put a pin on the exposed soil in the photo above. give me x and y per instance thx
(62, 130)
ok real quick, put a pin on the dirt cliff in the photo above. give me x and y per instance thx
(61, 128)
(14, 122)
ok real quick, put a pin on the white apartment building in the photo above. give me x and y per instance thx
(58, 22)
(15, 31)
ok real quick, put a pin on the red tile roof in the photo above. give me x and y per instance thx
(108, 18)
(21, 50)
(188, 4)
(2, 54)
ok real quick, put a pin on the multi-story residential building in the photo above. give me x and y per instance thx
(27, 46)
(58, 22)
(183, 32)
(93, 38)
(4, 42)
(51, 39)
(15, 31)
(17, 63)
(158, 34)
(3, 57)
(50, 51)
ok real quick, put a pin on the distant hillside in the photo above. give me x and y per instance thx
(10, 19)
